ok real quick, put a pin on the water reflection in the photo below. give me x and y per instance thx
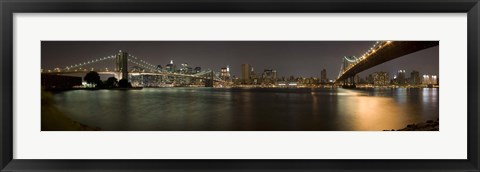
(193, 109)
(371, 113)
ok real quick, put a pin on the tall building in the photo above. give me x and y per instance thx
(381, 79)
(430, 80)
(247, 71)
(323, 76)
(170, 67)
(253, 75)
(228, 72)
(415, 78)
(225, 73)
(274, 73)
(269, 76)
(400, 78)
(184, 68)
(197, 70)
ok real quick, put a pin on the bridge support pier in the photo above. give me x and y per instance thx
(209, 81)
(349, 82)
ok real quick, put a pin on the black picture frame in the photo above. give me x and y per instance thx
(9, 7)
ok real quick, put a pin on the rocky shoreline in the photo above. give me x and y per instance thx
(429, 125)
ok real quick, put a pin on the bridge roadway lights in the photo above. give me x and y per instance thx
(394, 50)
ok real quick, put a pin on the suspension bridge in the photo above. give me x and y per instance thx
(137, 67)
(380, 52)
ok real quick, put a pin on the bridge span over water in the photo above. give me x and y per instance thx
(123, 70)
(381, 52)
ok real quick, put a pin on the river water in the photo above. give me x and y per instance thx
(223, 109)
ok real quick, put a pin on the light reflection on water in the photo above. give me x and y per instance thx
(193, 109)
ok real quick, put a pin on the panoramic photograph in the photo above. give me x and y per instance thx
(377, 85)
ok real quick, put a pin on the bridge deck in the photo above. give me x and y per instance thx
(392, 51)
(203, 76)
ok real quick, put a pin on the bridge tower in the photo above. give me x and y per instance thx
(209, 81)
(121, 65)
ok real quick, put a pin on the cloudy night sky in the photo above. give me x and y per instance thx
(297, 58)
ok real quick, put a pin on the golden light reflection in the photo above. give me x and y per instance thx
(314, 103)
(372, 113)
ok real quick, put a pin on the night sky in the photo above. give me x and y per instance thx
(297, 58)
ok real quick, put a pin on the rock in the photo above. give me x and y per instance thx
(429, 125)
(422, 125)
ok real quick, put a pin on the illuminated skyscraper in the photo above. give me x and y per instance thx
(225, 73)
(430, 80)
(228, 72)
(381, 79)
(401, 77)
(170, 67)
(185, 68)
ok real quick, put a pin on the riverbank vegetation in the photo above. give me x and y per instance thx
(93, 80)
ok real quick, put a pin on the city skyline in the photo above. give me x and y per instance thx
(278, 86)
(288, 58)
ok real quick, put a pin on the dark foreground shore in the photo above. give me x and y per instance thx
(53, 119)
(429, 125)
(70, 89)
